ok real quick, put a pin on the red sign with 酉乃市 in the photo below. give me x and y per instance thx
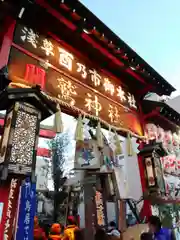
(35, 59)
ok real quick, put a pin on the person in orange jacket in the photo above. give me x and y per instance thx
(39, 234)
(56, 232)
(71, 228)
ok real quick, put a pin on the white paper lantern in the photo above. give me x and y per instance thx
(175, 144)
(151, 131)
(168, 143)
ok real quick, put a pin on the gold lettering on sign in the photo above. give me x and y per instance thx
(113, 114)
(131, 101)
(99, 209)
(108, 86)
(92, 103)
(47, 47)
(95, 77)
(74, 65)
(121, 94)
(82, 69)
(67, 90)
(65, 59)
(30, 36)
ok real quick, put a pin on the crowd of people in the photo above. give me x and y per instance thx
(73, 232)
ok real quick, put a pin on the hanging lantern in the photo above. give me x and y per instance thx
(151, 131)
(168, 141)
(176, 144)
(79, 129)
(151, 178)
(160, 134)
(130, 151)
(151, 155)
(58, 124)
(99, 136)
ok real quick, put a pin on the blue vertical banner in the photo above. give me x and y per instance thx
(27, 209)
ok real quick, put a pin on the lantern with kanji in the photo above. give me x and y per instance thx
(151, 154)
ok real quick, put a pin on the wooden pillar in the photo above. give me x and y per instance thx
(6, 38)
(89, 211)
(122, 216)
(89, 206)
(104, 195)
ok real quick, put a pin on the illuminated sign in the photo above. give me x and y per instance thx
(100, 209)
(35, 59)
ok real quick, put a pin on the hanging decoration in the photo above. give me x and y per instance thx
(171, 143)
(160, 134)
(79, 129)
(168, 142)
(58, 124)
(99, 136)
(87, 155)
(118, 148)
(86, 128)
(75, 109)
(176, 144)
(151, 131)
(130, 151)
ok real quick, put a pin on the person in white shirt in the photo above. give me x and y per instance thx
(112, 230)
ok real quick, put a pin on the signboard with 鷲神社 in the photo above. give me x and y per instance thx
(36, 59)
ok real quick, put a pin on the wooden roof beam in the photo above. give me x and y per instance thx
(144, 91)
(151, 114)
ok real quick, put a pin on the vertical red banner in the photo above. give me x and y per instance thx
(6, 38)
(9, 193)
(146, 209)
(4, 193)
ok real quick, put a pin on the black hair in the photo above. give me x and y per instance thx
(100, 234)
(78, 234)
(146, 236)
(112, 224)
(155, 221)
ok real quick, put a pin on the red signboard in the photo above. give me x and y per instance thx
(35, 59)
(9, 196)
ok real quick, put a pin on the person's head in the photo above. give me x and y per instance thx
(146, 236)
(100, 234)
(35, 221)
(71, 220)
(112, 225)
(56, 228)
(154, 223)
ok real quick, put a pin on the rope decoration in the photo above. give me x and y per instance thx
(79, 111)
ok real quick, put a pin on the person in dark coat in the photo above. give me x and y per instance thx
(158, 232)
(146, 236)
